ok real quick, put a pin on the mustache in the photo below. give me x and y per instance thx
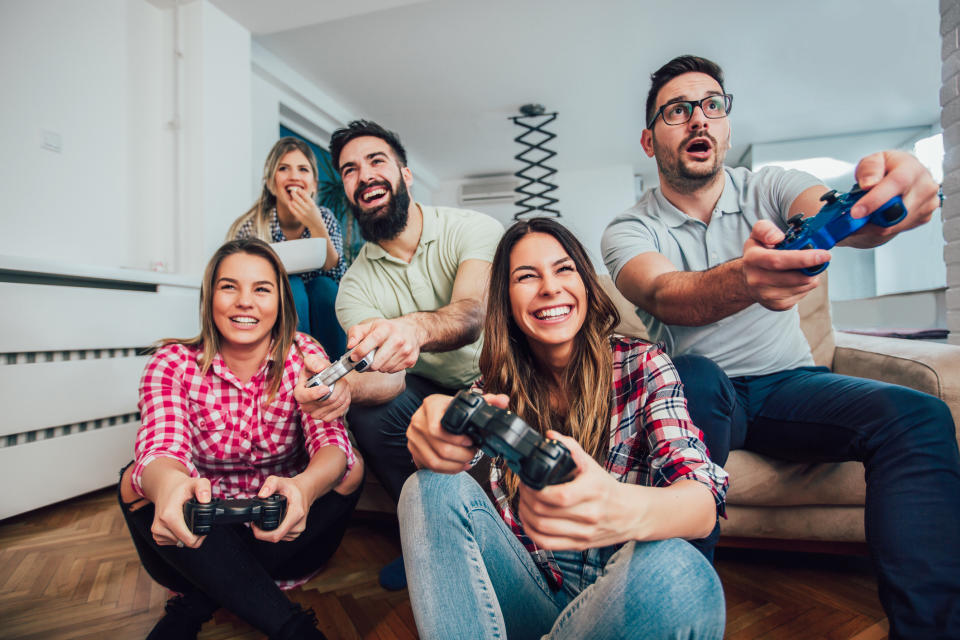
(366, 185)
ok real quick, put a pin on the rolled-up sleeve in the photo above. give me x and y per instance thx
(165, 430)
(677, 450)
(319, 434)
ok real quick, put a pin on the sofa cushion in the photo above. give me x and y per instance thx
(761, 481)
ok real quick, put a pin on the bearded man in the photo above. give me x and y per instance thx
(416, 293)
(697, 257)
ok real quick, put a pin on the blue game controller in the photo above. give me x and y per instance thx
(834, 223)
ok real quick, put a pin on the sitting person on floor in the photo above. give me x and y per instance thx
(416, 293)
(599, 556)
(287, 210)
(219, 420)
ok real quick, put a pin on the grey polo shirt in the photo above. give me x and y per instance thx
(379, 285)
(753, 341)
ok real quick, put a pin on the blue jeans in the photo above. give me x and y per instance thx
(908, 444)
(469, 577)
(314, 301)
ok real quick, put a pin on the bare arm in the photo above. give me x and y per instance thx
(695, 298)
(399, 341)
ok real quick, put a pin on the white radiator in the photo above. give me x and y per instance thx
(69, 370)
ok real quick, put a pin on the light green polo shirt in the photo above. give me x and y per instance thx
(379, 285)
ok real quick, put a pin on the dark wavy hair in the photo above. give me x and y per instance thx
(677, 67)
(359, 129)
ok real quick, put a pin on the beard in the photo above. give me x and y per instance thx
(683, 177)
(387, 221)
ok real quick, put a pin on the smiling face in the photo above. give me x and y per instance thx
(548, 299)
(688, 155)
(245, 301)
(376, 186)
(293, 172)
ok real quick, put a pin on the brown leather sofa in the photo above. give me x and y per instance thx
(771, 500)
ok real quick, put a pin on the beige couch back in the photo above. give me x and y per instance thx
(814, 319)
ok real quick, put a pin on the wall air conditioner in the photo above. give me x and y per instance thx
(488, 191)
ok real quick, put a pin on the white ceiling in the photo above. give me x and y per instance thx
(446, 74)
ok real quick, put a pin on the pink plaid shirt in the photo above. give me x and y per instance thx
(652, 439)
(224, 430)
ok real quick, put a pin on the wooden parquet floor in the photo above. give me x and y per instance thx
(70, 572)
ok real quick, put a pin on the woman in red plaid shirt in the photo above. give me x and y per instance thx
(600, 556)
(219, 420)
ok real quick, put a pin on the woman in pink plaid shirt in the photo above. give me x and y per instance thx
(600, 556)
(219, 420)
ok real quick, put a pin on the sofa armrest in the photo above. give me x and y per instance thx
(929, 367)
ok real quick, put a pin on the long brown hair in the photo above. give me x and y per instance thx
(260, 211)
(509, 366)
(282, 333)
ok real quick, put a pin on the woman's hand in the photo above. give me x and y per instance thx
(435, 448)
(306, 211)
(326, 410)
(298, 506)
(588, 511)
(169, 527)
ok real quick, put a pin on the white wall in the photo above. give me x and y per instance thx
(63, 68)
(588, 200)
(101, 75)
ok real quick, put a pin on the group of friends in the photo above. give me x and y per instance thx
(450, 300)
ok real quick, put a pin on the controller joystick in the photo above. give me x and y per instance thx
(536, 460)
(834, 223)
(266, 513)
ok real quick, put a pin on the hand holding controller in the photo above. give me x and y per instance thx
(834, 223)
(340, 368)
(538, 461)
(266, 513)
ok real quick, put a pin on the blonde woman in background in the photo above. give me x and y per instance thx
(287, 210)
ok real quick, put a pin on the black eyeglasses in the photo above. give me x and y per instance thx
(680, 111)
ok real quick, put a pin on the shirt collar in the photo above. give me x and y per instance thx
(221, 370)
(729, 202)
(428, 234)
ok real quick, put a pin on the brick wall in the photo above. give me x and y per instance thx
(950, 121)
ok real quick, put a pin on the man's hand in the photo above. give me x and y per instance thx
(298, 506)
(397, 343)
(585, 512)
(887, 174)
(433, 447)
(772, 276)
(309, 398)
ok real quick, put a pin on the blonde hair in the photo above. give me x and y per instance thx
(283, 330)
(508, 365)
(259, 213)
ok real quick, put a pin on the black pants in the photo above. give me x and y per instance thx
(381, 432)
(234, 570)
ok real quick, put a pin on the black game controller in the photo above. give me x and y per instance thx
(340, 368)
(266, 513)
(538, 461)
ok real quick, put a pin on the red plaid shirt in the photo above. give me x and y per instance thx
(652, 440)
(224, 430)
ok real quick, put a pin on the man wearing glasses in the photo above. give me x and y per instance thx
(696, 256)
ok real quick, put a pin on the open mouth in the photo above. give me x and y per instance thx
(553, 313)
(292, 189)
(699, 147)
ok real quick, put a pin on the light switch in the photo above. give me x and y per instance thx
(51, 140)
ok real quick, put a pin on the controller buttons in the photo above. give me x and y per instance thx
(830, 196)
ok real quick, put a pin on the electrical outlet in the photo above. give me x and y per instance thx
(51, 140)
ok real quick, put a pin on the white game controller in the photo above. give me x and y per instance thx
(340, 368)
